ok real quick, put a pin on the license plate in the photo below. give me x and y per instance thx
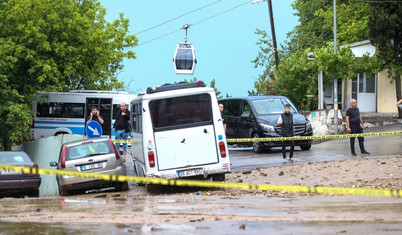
(188, 173)
(91, 166)
(10, 172)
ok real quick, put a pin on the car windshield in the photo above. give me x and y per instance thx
(88, 149)
(13, 157)
(272, 106)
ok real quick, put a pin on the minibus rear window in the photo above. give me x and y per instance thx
(178, 111)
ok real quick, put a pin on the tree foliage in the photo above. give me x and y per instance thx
(55, 45)
(296, 76)
(385, 32)
(352, 20)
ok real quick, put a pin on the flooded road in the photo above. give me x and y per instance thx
(207, 211)
(200, 214)
(331, 150)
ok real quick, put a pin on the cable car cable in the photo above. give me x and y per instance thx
(177, 17)
(205, 19)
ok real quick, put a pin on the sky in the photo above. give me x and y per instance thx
(224, 45)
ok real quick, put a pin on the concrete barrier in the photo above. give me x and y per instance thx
(322, 122)
(42, 152)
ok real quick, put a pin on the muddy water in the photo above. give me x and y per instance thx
(125, 213)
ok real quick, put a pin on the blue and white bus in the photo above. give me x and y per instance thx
(66, 112)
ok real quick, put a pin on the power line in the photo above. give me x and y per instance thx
(205, 19)
(220, 13)
(177, 17)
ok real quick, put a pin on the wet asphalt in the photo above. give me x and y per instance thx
(136, 212)
(243, 158)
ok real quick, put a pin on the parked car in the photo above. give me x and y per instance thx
(257, 116)
(98, 155)
(16, 182)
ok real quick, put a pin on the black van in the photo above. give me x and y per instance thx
(257, 117)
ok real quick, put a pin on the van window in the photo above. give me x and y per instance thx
(272, 106)
(177, 111)
(231, 107)
(245, 108)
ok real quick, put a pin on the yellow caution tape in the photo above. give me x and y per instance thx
(209, 184)
(323, 137)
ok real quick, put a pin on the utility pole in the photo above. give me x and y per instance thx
(271, 19)
(335, 79)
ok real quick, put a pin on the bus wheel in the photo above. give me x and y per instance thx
(60, 133)
(218, 177)
(154, 188)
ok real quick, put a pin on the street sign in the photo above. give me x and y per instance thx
(94, 129)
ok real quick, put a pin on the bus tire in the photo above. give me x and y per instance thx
(218, 177)
(154, 188)
(60, 133)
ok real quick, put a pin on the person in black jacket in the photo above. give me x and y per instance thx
(286, 121)
(121, 127)
(355, 125)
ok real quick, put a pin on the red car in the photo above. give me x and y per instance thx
(16, 182)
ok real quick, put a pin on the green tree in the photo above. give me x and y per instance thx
(385, 27)
(296, 77)
(55, 45)
(352, 20)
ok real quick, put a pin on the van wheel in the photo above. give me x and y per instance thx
(154, 188)
(305, 146)
(218, 177)
(257, 146)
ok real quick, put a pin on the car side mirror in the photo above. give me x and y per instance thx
(53, 164)
(245, 115)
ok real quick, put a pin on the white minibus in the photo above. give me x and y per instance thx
(177, 132)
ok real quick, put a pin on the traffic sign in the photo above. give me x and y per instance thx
(94, 129)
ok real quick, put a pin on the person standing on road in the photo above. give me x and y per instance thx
(95, 116)
(121, 127)
(287, 122)
(222, 117)
(354, 124)
(399, 104)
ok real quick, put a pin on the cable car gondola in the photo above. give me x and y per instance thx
(184, 58)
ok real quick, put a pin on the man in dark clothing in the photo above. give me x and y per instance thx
(286, 122)
(354, 123)
(95, 116)
(223, 118)
(121, 127)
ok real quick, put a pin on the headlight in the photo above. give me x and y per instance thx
(308, 126)
(267, 128)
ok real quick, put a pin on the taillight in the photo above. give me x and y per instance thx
(151, 158)
(63, 157)
(222, 149)
(116, 153)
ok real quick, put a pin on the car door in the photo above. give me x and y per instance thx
(245, 124)
(231, 112)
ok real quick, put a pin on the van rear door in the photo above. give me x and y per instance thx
(184, 131)
(186, 147)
